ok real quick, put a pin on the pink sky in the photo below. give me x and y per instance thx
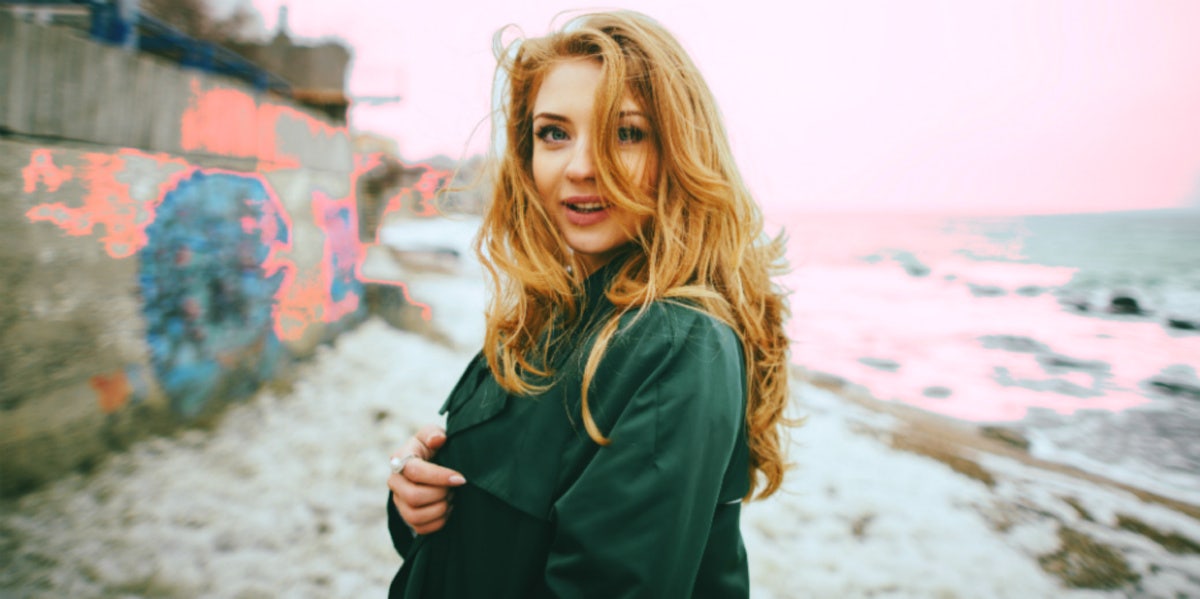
(980, 107)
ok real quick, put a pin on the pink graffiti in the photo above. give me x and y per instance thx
(343, 253)
(276, 115)
(112, 390)
(421, 194)
(231, 122)
(266, 225)
(225, 122)
(310, 299)
(106, 200)
(41, 168)
(364, 164)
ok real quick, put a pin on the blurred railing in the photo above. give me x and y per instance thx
(58, 83)
(153, 36)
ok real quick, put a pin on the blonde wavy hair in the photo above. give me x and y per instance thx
(702, 245)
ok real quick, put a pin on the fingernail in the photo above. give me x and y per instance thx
(457, 480)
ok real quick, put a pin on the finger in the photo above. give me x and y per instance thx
(435, 525)
(416, 495)
(414, 446)
(425, 473)
(423, 516)
(424, 526)
(425, 442)
(432, 437)
(431, 527)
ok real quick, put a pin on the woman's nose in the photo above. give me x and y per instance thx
(582, 166)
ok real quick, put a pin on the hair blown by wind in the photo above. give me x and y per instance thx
(703, 244)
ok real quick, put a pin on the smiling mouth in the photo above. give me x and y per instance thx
(586, 207)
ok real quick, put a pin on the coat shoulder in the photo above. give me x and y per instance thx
(670, 356)
(672, 326)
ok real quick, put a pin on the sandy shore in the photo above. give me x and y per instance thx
(284, 497)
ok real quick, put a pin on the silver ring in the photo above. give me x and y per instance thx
(398, 464)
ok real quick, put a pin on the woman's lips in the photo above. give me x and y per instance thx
(583, 211)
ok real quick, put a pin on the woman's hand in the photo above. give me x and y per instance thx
(421, 491)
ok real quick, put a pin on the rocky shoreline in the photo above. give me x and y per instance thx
(1112, 549)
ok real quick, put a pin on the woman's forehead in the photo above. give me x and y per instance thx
(573, 83)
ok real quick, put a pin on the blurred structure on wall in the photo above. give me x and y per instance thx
(188, 32)
(317, 72)
(188, 35)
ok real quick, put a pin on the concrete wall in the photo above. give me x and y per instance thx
(58, 85)
(168, 240)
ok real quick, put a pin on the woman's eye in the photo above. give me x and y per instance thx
(630, 135)
(551, 133)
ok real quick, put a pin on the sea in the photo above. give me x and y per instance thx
(1078, 330)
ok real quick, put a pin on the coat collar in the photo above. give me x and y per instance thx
(595, 286)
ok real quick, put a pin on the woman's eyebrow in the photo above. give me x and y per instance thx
(550, 116)
(625, 113)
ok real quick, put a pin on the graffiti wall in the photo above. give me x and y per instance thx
(144, 286)
(208, 277)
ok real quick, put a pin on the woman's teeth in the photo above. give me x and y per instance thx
(586, 208)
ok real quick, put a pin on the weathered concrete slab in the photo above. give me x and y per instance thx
(18, 115)
(47, 52)
(7, 60)
(71, 88)
(172, 92)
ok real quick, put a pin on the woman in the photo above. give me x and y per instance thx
(630, 392)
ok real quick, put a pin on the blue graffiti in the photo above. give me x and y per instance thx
(206, 298)
(340, 227)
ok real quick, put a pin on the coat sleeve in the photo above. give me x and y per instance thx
(636, 521)
(402, 535)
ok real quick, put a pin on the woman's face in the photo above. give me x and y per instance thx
(564, 167)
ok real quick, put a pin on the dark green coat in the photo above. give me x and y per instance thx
(547, 512)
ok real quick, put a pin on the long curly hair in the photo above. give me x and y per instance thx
(702, 244)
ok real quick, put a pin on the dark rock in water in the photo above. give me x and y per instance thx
(916, 270)
(938, 392)
(1078, 304)
(1174, 387)
(911, 264)
(1053, 384)
(1124, 304)
(1007, 436)
(986, 290)
(1061, 362)
(1183, 324)
(881, 364)
(1063, 386)
(1031, 290)
(1014, 343)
